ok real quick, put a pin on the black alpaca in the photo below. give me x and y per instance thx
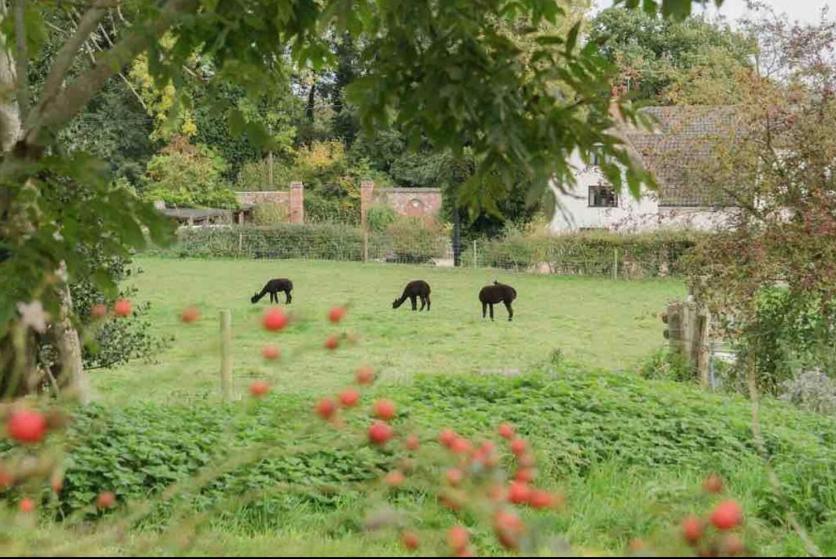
(413, 290)
(497, 293)
(273, 287)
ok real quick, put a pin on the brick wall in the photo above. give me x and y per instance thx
(412, 202)
(293, 200)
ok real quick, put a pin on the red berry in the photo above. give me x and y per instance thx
(365, 375)
(460, 445)
(26, 426)
(56, 483)
(106, 500)
(465, 552)
(122, 307)
(326, 408)
(394, 478)
(713, 484)
(539, 499)
(349, 397)
(274, 320)
(6, 479)
(518, 492)
(732, 545)
(525, 475)
(727, 515)
(692, 529)
(259, 388)
(506, 431)
(454, 476)
(410, 540)
(518, 447)
(384, 409)
(379, 433)
(190, 314)
(332, 342)
(98, 311)
(412, 442)
(508, 528)
(446, 437)
(270, 352)
(458, 537)
(336, 314)
(526, 460)
(26, 505)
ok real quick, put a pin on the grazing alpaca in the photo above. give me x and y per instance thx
(413, 290)
(496, 293)
(273, 287)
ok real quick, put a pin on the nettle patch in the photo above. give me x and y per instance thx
(449, 465)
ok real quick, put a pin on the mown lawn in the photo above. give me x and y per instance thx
(598, 323)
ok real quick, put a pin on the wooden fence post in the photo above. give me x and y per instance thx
(365, 243)
(615, 264)
(688, 332)
(474, 253)
(226, 355)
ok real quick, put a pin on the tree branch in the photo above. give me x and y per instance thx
(21, 59)
(66, 55)
(54, 114)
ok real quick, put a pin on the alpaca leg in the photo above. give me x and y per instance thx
(414, 301)
(510, 310)
(423, 303)
(272, 297)
(491, 304)
(428, 303)
(287, 297)
(484, 309)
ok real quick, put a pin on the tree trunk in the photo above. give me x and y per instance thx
(73, 377)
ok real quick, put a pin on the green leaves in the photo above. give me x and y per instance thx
(677, 9)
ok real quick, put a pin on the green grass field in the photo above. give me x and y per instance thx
(597, 323)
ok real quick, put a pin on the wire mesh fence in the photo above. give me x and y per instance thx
(343, 242)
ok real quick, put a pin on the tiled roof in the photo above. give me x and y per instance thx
(679, 147)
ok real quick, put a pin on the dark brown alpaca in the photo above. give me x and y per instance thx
(497, 293)
(273, 287)
(412, 291)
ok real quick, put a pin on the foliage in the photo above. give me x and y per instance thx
(113, 341)
(575, 420)
(188, 176)
(590, 253)
(415, 240)
(777, 168)
(664, 364)
(811, 390)
(663, 61)
(269, 214)
(380, 217)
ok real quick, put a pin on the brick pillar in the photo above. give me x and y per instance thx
(297, 202)
(366, 191)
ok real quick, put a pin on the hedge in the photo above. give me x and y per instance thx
(588, 253)
(403, 241)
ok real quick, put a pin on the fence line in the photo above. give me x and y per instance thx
(339, 242)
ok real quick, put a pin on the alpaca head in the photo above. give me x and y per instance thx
(396, 303)
(254, 298)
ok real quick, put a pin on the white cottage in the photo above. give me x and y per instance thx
(674, 150)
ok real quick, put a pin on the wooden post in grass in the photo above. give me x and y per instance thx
(226, 355)
(688, 332)
(615, 264)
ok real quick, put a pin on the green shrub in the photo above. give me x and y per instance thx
(413, 240)
(269, 214)
(380, 217)
(667, 365)
(589, 253)
(326, 241)
(188, 176)
(790, 333)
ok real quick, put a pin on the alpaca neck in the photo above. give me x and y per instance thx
(400, 301)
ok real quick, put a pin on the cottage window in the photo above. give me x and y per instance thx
(602, 196)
